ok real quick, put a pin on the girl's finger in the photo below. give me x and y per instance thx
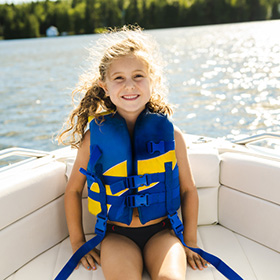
(91, 262)
(204, 262)
(85, 263)
(201, 263)
(96, 256)
(198, 262)
(191, 262)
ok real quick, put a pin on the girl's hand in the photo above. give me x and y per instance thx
(90, 259)
(195, 260)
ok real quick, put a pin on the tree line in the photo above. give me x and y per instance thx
(29, 20)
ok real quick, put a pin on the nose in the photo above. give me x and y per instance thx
(129, 84)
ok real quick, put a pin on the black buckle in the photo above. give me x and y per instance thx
(137, 200)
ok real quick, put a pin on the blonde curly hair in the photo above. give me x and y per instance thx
(116, 43)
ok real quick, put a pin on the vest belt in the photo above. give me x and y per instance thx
(138, 200)
(134, 200)
(132, 182)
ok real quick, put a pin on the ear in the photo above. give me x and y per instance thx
(103, 86)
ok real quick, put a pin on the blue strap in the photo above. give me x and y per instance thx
(132, 182)
(168, 187)
(95, 154)
(75, 259)
(100, 230)
(86, 173)
(100, 226)
(112, 200)
(215, 261)
(138, 200)
(134, 200)
(178, 228)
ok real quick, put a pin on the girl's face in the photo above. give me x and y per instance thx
(128, 85)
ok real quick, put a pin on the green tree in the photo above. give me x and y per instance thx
(77, 16)
(90, 16)
(150, 15)
(30, 27)
(275, 11)
(170, 16)
(9, 22)
(32, 19)
(132, 14)
(62, 17)
(257, 11)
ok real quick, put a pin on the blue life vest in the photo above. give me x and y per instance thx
(135, 172)
(125, 173)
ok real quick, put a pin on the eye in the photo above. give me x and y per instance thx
(118, 78)
(138, 76)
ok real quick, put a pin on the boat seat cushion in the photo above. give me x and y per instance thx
(242, 254)
(32, 235)
(242, 212)
(250, 175)
(30, 189)
(207, 183)
(249, 198)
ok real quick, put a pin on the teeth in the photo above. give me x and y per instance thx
(130, 96)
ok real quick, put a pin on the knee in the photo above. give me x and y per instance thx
(171, 277)
(168, 278)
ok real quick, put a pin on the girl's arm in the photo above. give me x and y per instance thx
(73, 204)
(189, 201)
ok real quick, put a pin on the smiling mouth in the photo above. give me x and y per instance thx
(130, 97)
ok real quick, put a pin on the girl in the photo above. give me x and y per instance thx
(126, 94)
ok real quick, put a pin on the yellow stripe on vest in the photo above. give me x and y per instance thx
(119, 170)
(155, 165)
(148, 166)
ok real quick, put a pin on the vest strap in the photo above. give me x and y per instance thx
(138, 200)
(95, 154)
(168, 187)
(112, 200)
(76, 257)
(134, 200)
(101, 225)
(133, 182)
(100, 230)
(221, 266)
(86, 173)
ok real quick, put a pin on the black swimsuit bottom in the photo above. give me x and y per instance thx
(140, 235)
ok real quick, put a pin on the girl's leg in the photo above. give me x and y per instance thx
(121, 258)
(165, 257)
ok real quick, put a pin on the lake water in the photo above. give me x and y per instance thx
(225, 80)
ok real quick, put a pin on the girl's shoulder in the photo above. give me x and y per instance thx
(178, 135)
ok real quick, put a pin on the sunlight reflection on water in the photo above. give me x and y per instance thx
(225, 80)
(228, 77)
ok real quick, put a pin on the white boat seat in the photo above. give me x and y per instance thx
(252, 260)
(238, 222)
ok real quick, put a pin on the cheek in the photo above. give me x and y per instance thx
(151, 89)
